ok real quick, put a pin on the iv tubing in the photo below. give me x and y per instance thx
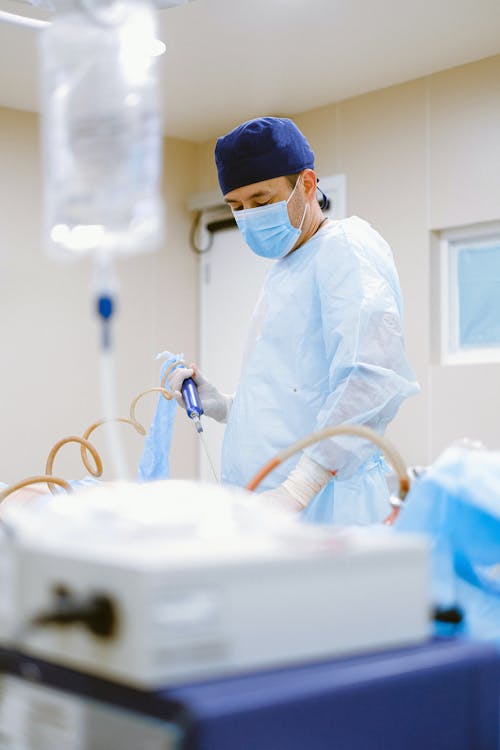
(347, 429)
(106, 287)
(73, 439)
(167, 394)
(50, 480)
(83, 450)
(132, 421)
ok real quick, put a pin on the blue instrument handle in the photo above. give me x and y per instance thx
(191, 398)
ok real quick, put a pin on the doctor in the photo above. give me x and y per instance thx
(326, 340)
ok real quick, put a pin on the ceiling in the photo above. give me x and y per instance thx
(229, 60)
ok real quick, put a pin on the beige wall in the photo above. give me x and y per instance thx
(48, 333)
(419, 156)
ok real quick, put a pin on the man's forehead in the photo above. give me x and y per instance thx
(256, 189)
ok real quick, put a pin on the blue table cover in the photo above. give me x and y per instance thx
(441, 695)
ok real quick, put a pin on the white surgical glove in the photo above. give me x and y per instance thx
(215, 404)
(299, 488)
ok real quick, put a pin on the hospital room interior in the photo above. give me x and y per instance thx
(151, 597)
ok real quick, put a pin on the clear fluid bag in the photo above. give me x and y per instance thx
(101, 128)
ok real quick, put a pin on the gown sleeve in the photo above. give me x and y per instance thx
(368, 372)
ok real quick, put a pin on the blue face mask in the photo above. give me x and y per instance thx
(267, 230)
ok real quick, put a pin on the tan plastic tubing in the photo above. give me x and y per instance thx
(86, 447)
(361, 431)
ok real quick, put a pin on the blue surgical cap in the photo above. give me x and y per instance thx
(260, 150)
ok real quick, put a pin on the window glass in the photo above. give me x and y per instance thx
(478, 279)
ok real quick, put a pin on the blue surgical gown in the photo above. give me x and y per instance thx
(325, 348)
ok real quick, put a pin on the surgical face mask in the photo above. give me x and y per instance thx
(267, 230)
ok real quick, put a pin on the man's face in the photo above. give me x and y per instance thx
(269, 191)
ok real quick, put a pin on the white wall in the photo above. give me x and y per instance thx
(48, 333)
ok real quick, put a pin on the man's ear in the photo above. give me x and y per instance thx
(309, 180)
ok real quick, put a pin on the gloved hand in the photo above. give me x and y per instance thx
(299, 488)
(215, 404)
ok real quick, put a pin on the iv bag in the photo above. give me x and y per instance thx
(101, 129)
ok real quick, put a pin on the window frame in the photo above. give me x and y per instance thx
(449, 244)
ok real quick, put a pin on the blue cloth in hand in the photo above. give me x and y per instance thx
(155, 459)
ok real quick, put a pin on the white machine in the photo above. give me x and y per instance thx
(154, 584)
